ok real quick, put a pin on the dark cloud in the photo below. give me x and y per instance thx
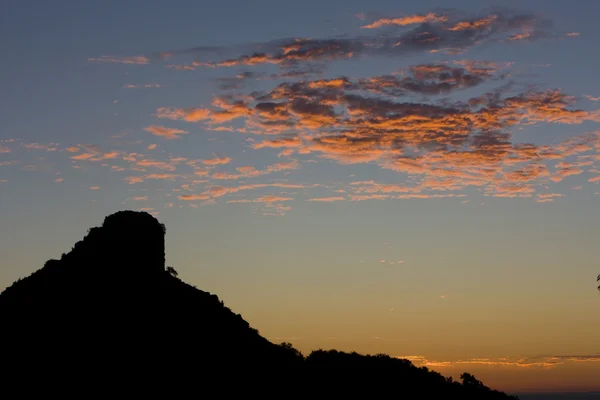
(446, 31)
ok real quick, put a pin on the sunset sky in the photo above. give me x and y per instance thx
(378, 176)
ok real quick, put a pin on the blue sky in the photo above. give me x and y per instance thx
(381, 199)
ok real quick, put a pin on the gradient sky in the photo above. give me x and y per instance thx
(378, 176)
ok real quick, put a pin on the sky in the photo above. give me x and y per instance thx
(375, 176)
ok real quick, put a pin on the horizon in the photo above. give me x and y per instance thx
(378, 177)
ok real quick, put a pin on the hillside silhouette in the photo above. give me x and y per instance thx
(112, 301)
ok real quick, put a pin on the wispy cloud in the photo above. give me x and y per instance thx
(517, 362)
(407, 20)
(163, 131)
(449, 32)
(217, 161)
(327, 199)
(41, 146)
(155, 176)
(121, 60)
(547, 197)
(443, 126)
(141, 85)
(193, 197)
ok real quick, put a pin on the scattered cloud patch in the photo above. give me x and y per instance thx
(121, 60)
(141, 85)
(326, 199)
(163, 131)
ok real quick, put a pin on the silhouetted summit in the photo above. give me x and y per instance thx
(111, 298)
(112, 304)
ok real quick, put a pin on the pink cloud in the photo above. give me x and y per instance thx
(193, 197)
(167, 133)
(189, 114)
(41, 146)
(122, 60)
(217, 161)
(407, 20)
(326, 199)
(141, 85)
(83, 156)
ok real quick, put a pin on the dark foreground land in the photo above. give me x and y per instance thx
(110, 305)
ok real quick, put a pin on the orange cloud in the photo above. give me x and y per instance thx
(141, 85)
(408, 20)
(326, 199)
(219, 191)
(187, 114)
(141, 178)
(564, 169)
(272, 199)
(451, 146)
(369, 197)
(474, 24)
(450, 33)
(163, 131)
(4, 149)
(249, 171)
(520, 36)
(41, 146)
(72, 149)
(547, 197)
(161, 176)
(134, 179)
(122, 60)
(110, 155)
(155, 164)
(217, 161)
(400, 122)
(193, 197)
(518, 362)
(83, 156)
(279, 143)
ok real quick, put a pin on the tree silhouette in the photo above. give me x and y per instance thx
(293, 351)
(172, 271)
(598, 280)
(471, 381)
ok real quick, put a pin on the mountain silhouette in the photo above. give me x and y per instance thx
(111, 301)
